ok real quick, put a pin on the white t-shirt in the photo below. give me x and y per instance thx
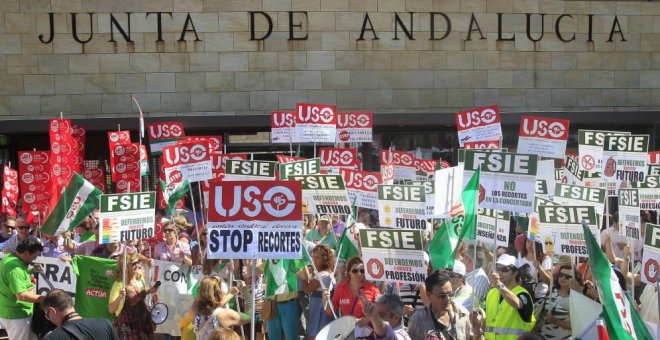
(616, 238)
(541, 287)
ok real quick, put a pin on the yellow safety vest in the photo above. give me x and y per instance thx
(503, 322)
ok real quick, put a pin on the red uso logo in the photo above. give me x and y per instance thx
(540, 127)
(27, 178)
(54, 125)
(256, 201)
(354, 120)
(120, 150)
(477, 117)
(55, 147)
(279, 119)
(186, 153)
(26, 158)
(29, 197)
(360, 180)
(425, 165)
(122, 184)
(337, 157)
(114, 137)
(316, 114)
(165, 130)
(120, 168)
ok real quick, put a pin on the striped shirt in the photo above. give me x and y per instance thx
(479, 282)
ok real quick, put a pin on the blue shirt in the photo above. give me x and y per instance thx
(54, 250)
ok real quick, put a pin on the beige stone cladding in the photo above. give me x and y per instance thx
(235, 57)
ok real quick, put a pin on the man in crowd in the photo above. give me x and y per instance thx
(462, 289)
(386, 315)
(17, 292)
(23, 231)
(478, 278)
(8, 229)
(59, 310)
(338, 225)
(509, 306)
(324, 234)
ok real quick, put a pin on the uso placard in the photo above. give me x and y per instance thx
(193, 159)
(480, 124)
(315, 123)
(164, 134)
(255, 219)
(545, 137)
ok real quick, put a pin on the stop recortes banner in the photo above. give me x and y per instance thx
(448, 189)
(244, 170)
(333, 159)
(507, 182)
(164, 134)
(35, 183)
(493, 222)
(479, 124)
(362, 187)
(402, 206)
(649, 193)
(192, 159)
(590, 148)
(403, 162)
(324, 194)
(629, 217)
(625, 158)
(255, 219)
(299, 168)
(545, 137)
(393, 255)
(282, 127)
(126, 217)
(315, 123)
(354, 127)
(651, 257)
(561, 227)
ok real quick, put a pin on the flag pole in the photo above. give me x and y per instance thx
(199, 244)
(254, 297)
(140, 134)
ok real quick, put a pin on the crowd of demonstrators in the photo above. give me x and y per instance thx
(58, 307)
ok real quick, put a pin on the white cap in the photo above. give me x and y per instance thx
(459, 268)
(506, 260)
(427, 259)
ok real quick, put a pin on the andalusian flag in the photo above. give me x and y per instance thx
(621, 319)
(348, 245)
(461, 224)
(173, 192)
(78, 200)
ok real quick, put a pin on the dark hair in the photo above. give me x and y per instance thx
(537, 246)
(645, 215)
(351, 262)
(437, 278)
(57, 299)
(328, 257)
(31, 244)
(393, 303)
(555, 283)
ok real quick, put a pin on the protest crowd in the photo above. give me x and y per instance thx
(523, 245)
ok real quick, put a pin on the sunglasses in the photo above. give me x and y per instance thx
(168, 230)
(548, 243)
(10, 226)
(503, 269)
(355, 271)
(566, 276)
(444, 296)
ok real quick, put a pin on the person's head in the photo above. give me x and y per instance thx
(335, 220)
(133, 265)
(324, 223)
(355, 270)
(323, 257)
(9, 227)
(439, 290)
(209, 295)
(365, 218)
(170, 233)
(57, 305)
(390, 308)
(457, 275)
(564, 276)
(22, 227)
(507, 269)
(181, 223)
(84, 225)
(224, 334)
(479, 261)
(29, 249)
(529, 249)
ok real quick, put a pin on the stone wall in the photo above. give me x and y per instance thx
(225, 72)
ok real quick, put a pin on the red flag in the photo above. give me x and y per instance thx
(602, 330)
(9, 191)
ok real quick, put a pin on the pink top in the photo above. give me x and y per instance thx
(172, 254)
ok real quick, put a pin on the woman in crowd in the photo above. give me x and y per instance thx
(346, 297)
(128, 304)
(540, 265)
(171, 249)
(211, 313)
(557, 319)
(324, 260)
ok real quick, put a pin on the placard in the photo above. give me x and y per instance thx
(173, 292)
(573, 174)
(649, 193)
(126, 217)
(333, 159)
(590, 148)
(315, 123)
(354, 127)
(486, 144)
(487, 227)
(282, 127)
(361, 187)
(402, 206)
(651, 257)
(324, 194)
(393, 255)
(479, 124)
(429, 188)
(567, 194)
(545, 137)
(244, 170)
(561, 228)
(35, 184)
(299, 168)
(625, 158)
(449, 189)
(545, 178)
(192, 159)
(425, 168)
(58, 272)
(629, 217)
(255, 219)
(403, 162)
(507, 182)
(164, 134)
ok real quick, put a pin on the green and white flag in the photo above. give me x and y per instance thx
(173, 192)
(78, 200)
(621, 319)
(348, 244)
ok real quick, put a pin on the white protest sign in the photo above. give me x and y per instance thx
(479, 124)
(173, 293)
(429, 187)
(402, 206)
(567, 194)
(629, 219)
(545, 178)
(649, 193)
(244, 170)
(315, 123)
(590, 148)
(354, 127)
(59, 273)
(507, 182)
(393, 255)
(193, 159)
(126, 217)
(324, 194)
(487, 228)
(255, 219)
(362, 187)
(572, 172)
(303, 167)
(625, 158)
(282, 127)
(561, 227)
(544, 137)
(449, 189)
(651, 257)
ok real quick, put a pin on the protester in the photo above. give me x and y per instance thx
(22, 233)
(386, 315)
(338, 225)
(224, 334)
(509, 306)
(282, 290)
(84, 230)
(540, 266)
(309, 223)
(557, 322)
(442, 318)
(211, 313)
(324, 261)
(76, 248)
(324, 234)
(346, 298)
(58, 306)
(8, 229)
(17, 291)
(462, 289)
(478, 278)
(172, 249)
(54, 247)
(128, 303)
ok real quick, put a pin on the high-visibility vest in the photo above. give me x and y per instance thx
(503, 321)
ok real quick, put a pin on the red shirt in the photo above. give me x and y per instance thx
(344, 299)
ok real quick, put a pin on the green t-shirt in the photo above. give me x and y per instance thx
(95, 278)
(281, 276)
(14, 279)
(329, 239)
(88, 235)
